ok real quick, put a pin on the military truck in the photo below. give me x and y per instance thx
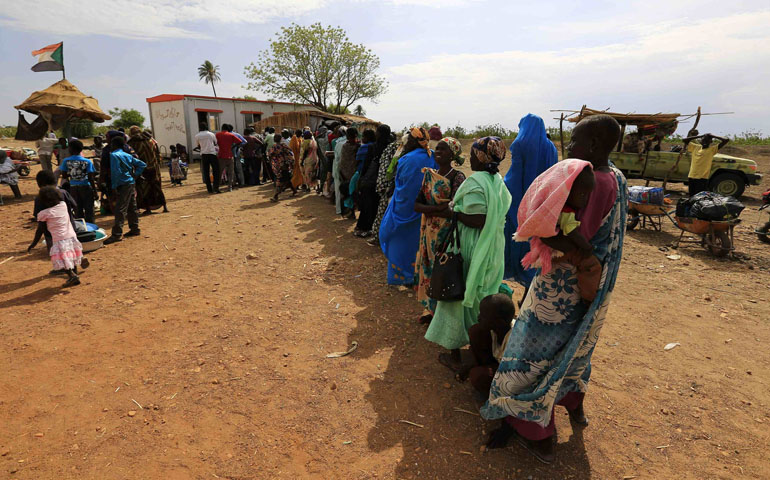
(642, 157)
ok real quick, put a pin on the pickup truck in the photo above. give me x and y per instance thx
(729, 175)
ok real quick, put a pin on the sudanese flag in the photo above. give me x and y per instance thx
(50, 58)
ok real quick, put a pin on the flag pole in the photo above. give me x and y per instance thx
(63, 73)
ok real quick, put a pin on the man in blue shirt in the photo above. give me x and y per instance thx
(124, 168)
(81, 174)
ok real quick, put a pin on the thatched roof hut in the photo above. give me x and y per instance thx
(313, 119)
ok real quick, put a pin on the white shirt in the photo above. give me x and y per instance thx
(208, 142)
(45, 146)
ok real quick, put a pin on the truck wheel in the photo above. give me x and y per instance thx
(726, 183)
(24, 171)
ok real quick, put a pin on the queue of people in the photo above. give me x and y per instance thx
(554, 227)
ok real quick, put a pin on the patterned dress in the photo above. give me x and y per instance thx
(384, 185)
(436, 189)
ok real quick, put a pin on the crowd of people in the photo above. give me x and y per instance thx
(556, 228)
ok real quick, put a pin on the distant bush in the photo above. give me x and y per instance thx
(8, 132)
(750, 137)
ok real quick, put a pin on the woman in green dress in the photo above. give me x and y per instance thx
(480, 206)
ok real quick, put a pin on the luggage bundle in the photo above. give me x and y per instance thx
(646, 195)
(709, 206)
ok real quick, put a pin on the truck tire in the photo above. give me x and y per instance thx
(727, 183)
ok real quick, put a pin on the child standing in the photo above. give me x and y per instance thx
(549, 209)
(81, 174)
(66, 252)
(177, 175)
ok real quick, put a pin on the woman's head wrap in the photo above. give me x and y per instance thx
(422, 137)
(307, 134)
(456, 148)
(490, 151)
(134, 131)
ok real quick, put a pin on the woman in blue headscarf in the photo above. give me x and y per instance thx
(532, 153)
(400, 228)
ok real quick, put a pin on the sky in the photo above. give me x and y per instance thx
(467, 62)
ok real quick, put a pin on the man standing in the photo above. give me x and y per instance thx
(226, 140)
(237, 149)
(267, 169)
(207, 144)
(81, 174)
(45, 150)
(124, 168)
(251, 151)
(702, 155)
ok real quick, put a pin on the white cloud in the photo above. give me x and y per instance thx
(159, 19)
(720, 63)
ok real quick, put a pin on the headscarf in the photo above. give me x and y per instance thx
(490, 151)
(134, 131)
(391, 172)
(307, 134)
(422, 137)
(456, 148)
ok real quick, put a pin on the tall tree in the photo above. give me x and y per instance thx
(209, 73)
(317, 65)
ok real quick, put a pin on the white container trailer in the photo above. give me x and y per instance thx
(175, 118)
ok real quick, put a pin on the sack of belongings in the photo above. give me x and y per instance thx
(709, 206)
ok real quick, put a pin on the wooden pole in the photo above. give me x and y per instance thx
(561, 134)
(622, 134)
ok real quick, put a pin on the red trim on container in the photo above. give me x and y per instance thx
(253, 112)
(209, 110)
(166, 97)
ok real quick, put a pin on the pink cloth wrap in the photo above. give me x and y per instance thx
(540, 209)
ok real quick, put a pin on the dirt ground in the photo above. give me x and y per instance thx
(198, 351)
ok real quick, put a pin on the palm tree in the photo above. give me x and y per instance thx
(359, 110)
(209, 73)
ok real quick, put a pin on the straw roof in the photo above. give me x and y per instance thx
(310, 118)
(63, 100)
(627, 118)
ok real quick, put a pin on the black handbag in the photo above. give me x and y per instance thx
(448, 281)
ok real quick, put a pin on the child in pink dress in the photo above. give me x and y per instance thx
(66, 251)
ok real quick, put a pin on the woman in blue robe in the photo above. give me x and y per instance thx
(400, 228)
(532, 153)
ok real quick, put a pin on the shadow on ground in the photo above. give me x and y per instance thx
(414, 386)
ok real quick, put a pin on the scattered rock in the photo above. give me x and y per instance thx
(447, 386)
(333, 386)
(132, 413)
(215, 381)
(39, 434)
(251, 256)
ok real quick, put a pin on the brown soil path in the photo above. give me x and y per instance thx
(226, 356)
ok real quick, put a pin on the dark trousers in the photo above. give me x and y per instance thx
(84, 195)
(697, 185)
(251, 168)
(125, 206)
(368, 201)
(209, 163)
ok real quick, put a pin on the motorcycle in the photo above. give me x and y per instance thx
(763, 232)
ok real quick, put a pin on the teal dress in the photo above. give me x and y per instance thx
(483, 252)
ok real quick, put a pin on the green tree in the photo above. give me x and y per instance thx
(316, 65)
(248, 97)
(337, 109)
(126, 117)
(209, 73)
(359, 110)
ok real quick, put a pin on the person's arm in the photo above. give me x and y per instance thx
(559, 242)
(687, 140)
(38, 236)
(440, 210)
(722, 141)
(580, 242)
(92, 181)
(139, 167)
(473, 221)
